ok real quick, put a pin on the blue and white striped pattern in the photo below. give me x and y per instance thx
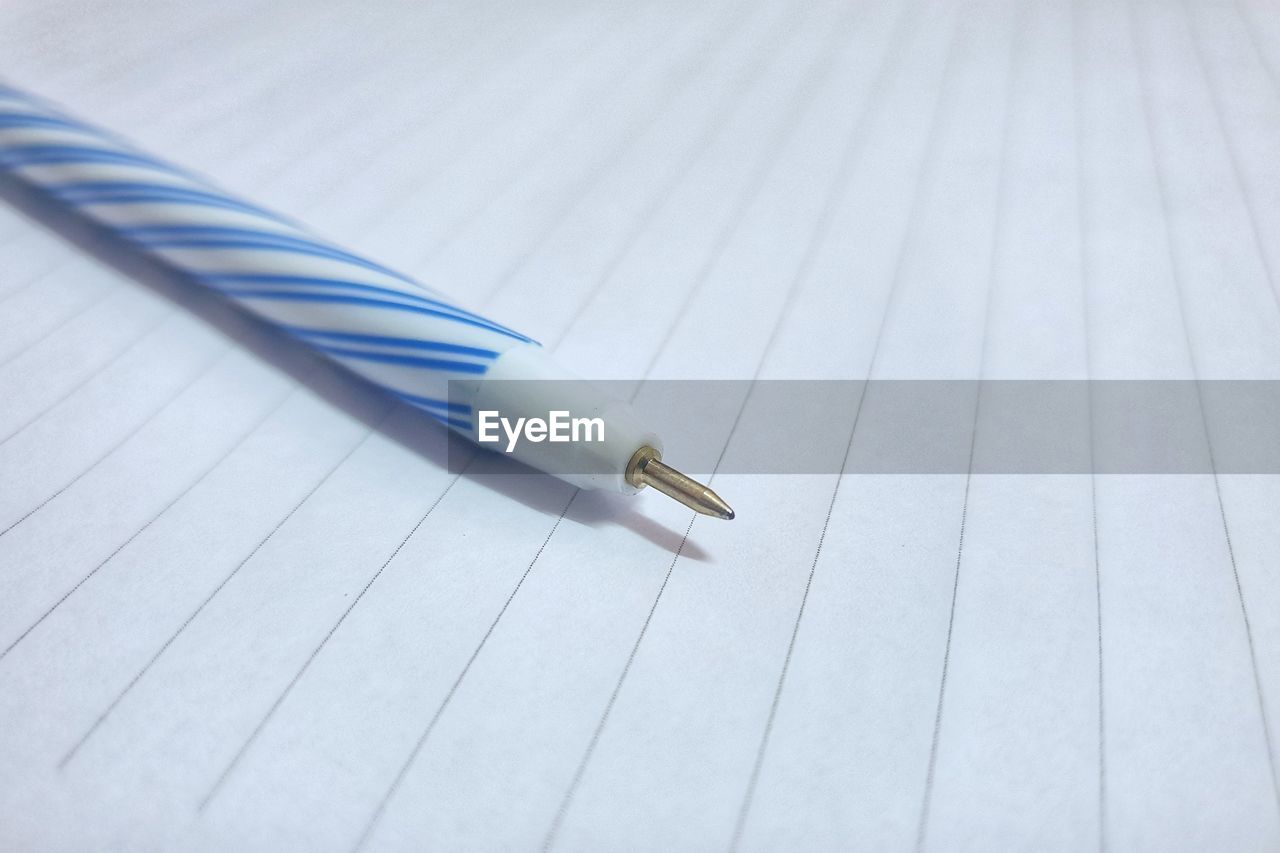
(378, 323)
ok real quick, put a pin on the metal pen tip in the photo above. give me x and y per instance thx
(647, 469)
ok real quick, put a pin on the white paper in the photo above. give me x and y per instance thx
(247, 607)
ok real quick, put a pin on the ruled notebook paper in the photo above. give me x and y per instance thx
(247, 606)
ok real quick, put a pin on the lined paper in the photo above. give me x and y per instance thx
(247, 604)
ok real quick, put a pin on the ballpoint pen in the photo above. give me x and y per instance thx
(467, 372)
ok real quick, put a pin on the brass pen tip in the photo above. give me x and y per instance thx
(646, 468)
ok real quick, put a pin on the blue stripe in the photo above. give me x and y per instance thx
(8, 120)
(128, 192)
(459, 423)
(199, 232)
(163, 199)
(217, 280)
(92, 187)
(404, 360)
(291, 296)
(453, 422)
(447, 420)
(37, 155)
(178, 236)
(215, 231)
(432, 402)
(270, 246)
(385, 340)
(283, 242)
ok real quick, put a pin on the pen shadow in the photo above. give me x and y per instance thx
(550, 496)
(328, 380)
(599, 508)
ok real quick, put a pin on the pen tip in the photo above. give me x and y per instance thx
(716, 506)
(648, 469)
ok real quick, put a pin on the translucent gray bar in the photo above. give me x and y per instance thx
(957, 426)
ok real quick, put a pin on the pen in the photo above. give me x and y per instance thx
(481, 379)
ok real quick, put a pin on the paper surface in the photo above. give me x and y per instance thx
(247, 606)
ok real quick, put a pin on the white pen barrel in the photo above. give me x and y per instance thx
(389, 329)
(395, 332)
